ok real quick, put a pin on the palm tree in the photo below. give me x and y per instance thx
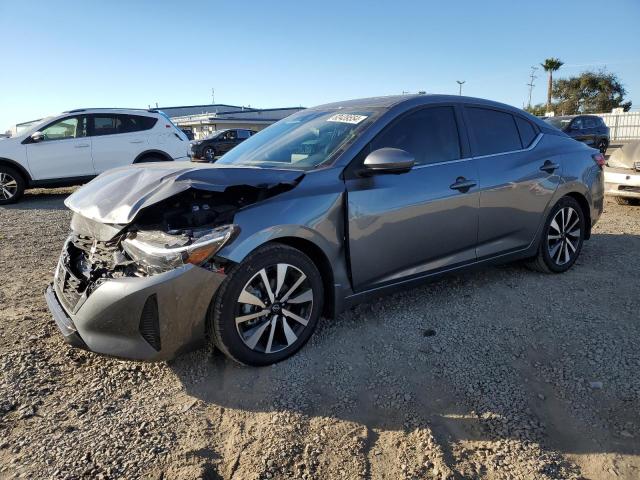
(551, 65)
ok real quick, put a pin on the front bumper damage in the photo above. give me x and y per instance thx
(139, 318)
(137, 274)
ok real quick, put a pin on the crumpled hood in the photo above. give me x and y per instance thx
(116, 196)
(626, 156)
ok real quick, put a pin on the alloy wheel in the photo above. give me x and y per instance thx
(274, 308)
(8, 186)
(563, 237)
(209, 153)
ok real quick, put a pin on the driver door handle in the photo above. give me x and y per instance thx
(549, 167)
(462, 184)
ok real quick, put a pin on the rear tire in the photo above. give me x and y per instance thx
(256, 324)
(12, 185)
(562, 238)
(602, 146)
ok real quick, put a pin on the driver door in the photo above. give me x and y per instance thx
(64, 152)
(424, 220)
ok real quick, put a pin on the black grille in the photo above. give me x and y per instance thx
(149, 323)
(69, 287)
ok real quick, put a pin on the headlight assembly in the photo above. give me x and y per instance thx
(158, 251)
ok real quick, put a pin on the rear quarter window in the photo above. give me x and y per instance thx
(137, 123)
(528, 132)
(494, 131)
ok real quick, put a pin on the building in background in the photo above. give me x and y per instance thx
(204, 119)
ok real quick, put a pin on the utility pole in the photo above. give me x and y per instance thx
(460, 83)
(532, 75)
(213, 96)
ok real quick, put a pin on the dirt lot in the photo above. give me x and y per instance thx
(499, 373)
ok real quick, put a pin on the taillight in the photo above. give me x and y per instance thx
(599, 159)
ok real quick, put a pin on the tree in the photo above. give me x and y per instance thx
(551, 65)
(590, 92)
(538, 109)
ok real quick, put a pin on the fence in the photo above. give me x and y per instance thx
(622, 126)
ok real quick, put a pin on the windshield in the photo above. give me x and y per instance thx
(558, 122)
(303, 140)
(32, 126)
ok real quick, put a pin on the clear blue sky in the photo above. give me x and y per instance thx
(62, 55)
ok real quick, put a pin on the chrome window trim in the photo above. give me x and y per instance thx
(529, 148)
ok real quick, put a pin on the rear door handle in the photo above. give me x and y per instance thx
(462, 184)
(549, 166)
(82, 145)
(136, 141)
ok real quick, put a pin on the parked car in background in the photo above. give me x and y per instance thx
(622, 175)
(589, 129)
(218, 143)
(324, 209)
(79, 144)
(188, 132)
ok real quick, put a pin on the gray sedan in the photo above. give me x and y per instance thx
(326, 208)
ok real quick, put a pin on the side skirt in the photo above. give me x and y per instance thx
(60, 182)
(373, 293)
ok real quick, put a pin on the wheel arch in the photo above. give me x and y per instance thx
(303, 239)
(318, 257)
(586, 210)
(15, 165)
(153, 153)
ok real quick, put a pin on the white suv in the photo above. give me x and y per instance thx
(76, 146)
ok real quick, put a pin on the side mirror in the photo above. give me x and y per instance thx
(389, 160)
(37, 137)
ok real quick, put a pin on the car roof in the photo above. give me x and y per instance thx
(393, 100)
(416, 100)
(131, 111)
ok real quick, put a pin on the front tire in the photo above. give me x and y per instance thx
(12, 185)
(267, 307)
(562, 238)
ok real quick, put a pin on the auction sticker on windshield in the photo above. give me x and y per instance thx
(347, 118)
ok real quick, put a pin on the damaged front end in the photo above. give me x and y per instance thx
(141, 289)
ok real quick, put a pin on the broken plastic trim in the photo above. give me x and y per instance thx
(150, 251)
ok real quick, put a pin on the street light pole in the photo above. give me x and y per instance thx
(460, 83)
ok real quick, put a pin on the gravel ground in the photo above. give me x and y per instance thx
(498, 373)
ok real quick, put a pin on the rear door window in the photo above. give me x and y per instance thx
(242, 134)
(494, 131)
(105, 125)
(430, 135)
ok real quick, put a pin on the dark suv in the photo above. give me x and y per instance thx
(589, 129)
(218, 143)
